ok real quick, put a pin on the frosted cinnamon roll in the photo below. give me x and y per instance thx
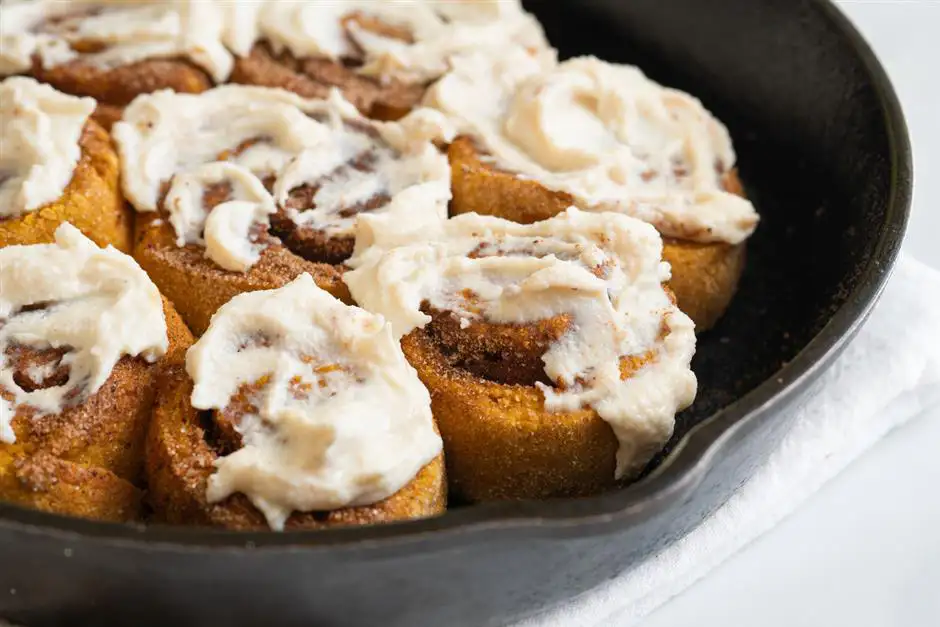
(604, 138)
(294, 411)
(81, 332)
(382, 54)
(114, 51)
(56, 165)
(218, 177)
(555, 357)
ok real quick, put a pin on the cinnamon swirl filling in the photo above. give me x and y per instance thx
(260, 158)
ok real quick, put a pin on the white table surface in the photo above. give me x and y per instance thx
(865, 551)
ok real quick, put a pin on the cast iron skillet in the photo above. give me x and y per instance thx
(823, 152)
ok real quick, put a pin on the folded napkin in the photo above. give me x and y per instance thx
(889, 374)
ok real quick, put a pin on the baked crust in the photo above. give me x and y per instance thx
(313, 78)
(501, 443)
(311, 244)
(705, 276)
(49, 484)
(107, 115)
(88, 460)
(92, 201)
(181, 450)
(114, 88)
(198, 287)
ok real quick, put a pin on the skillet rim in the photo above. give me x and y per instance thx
(681, 472)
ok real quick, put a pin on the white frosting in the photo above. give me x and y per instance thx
(438, 31)
(99, 306)
(40, 129)
(226, 230)
(341, 419)
(602, 269)
(207, 32)
(604, 133)
(179, 138)
(128, 32)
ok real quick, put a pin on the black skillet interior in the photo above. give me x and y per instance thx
(823, 153)
(811, 148)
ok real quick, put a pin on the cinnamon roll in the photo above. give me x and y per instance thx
(604, 138)
(245, 188)
(381, 54)
(114, 51)
(81, 331)
(294, 411)
(57, 165)
(555, 357)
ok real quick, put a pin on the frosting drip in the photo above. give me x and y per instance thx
(96, 305)
(607, 135)
(40, 129)
(603, 270)
(262, 145)
(336, 417)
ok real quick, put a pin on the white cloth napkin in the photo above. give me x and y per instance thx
(888, 375)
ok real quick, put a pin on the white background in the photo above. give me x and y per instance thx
(865, 551)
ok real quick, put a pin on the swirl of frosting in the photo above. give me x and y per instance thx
(602, 271)
(328, 411)
(96, 305)
(40, 130)
(411, 41)
(605, 134)
(262, 149)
